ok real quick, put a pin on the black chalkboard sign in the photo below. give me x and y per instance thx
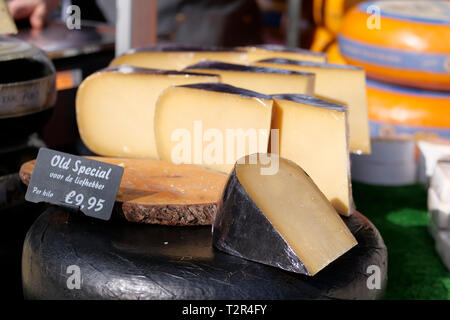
(79, 183)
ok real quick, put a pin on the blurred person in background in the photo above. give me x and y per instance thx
(195, 22)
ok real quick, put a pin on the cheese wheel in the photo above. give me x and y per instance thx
(115, 108)
(177, 57)
(334, 55)
(322, 39)
(407, 110)
(401, 42)
(329, 13)
(262, 80)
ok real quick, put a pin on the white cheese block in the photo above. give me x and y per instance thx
(280, 219)
(339, 82)
(115, 108)
(211, 125)
(177, 57)
(382, 173)
(259, 79)
(431, 150)
(313, 134)
(443, 247)
(433, 230)
(392, 150)
(440, 181)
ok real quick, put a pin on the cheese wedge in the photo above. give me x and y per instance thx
(260, 52)
(263, 80)
(280, 219)
(177, 57)
(313, 134)
(115, 108)
(342, 83)
(211, 125)
(7, 25)
(401, 42)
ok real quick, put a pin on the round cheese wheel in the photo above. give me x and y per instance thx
(407, 111)
(322, 39)
(334, 55)
(329, 13)
(113, 260)
(402, 42)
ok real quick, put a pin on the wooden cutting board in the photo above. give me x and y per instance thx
(159, 192)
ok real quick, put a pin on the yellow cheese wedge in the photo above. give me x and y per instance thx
(280, 219)
(115, 108)
(342, 83)
(211, 125)
(263, 80)
(175, 57)
(310, 131)
(7, 25)
(260, 52)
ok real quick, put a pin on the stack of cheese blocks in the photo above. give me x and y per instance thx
(186, 105)
(439, 209)
(408, 85)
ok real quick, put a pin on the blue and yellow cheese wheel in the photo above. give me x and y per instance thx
(402, 42)
(402, 110)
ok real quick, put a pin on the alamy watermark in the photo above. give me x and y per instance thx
(374, 280)
(74, 280)
(73, 17)
(374, 21)
(215, 146)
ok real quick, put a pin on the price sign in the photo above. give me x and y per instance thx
(71, 181)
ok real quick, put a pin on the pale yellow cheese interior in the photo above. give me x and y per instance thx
(266, 83)
(176, 60)
(341, 84)
(298, 211)
(115, 111)
(208, 117)
(256, 54)
(315, 138)
(7, 25)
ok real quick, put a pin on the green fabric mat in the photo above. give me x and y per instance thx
(415, 271)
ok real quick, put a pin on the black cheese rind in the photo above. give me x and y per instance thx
(131, 261)
(310, 100)
(217, 65)
(132, 69)
(309, 64)
(262, 242)
(226, 88)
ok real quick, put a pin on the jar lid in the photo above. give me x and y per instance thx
(11, 49)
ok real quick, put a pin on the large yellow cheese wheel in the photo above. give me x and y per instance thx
(334, 55)
(407, 111)
(322, 39)
(329, 13)
(403, 42)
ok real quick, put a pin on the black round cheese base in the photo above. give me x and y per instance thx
(133, 261)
